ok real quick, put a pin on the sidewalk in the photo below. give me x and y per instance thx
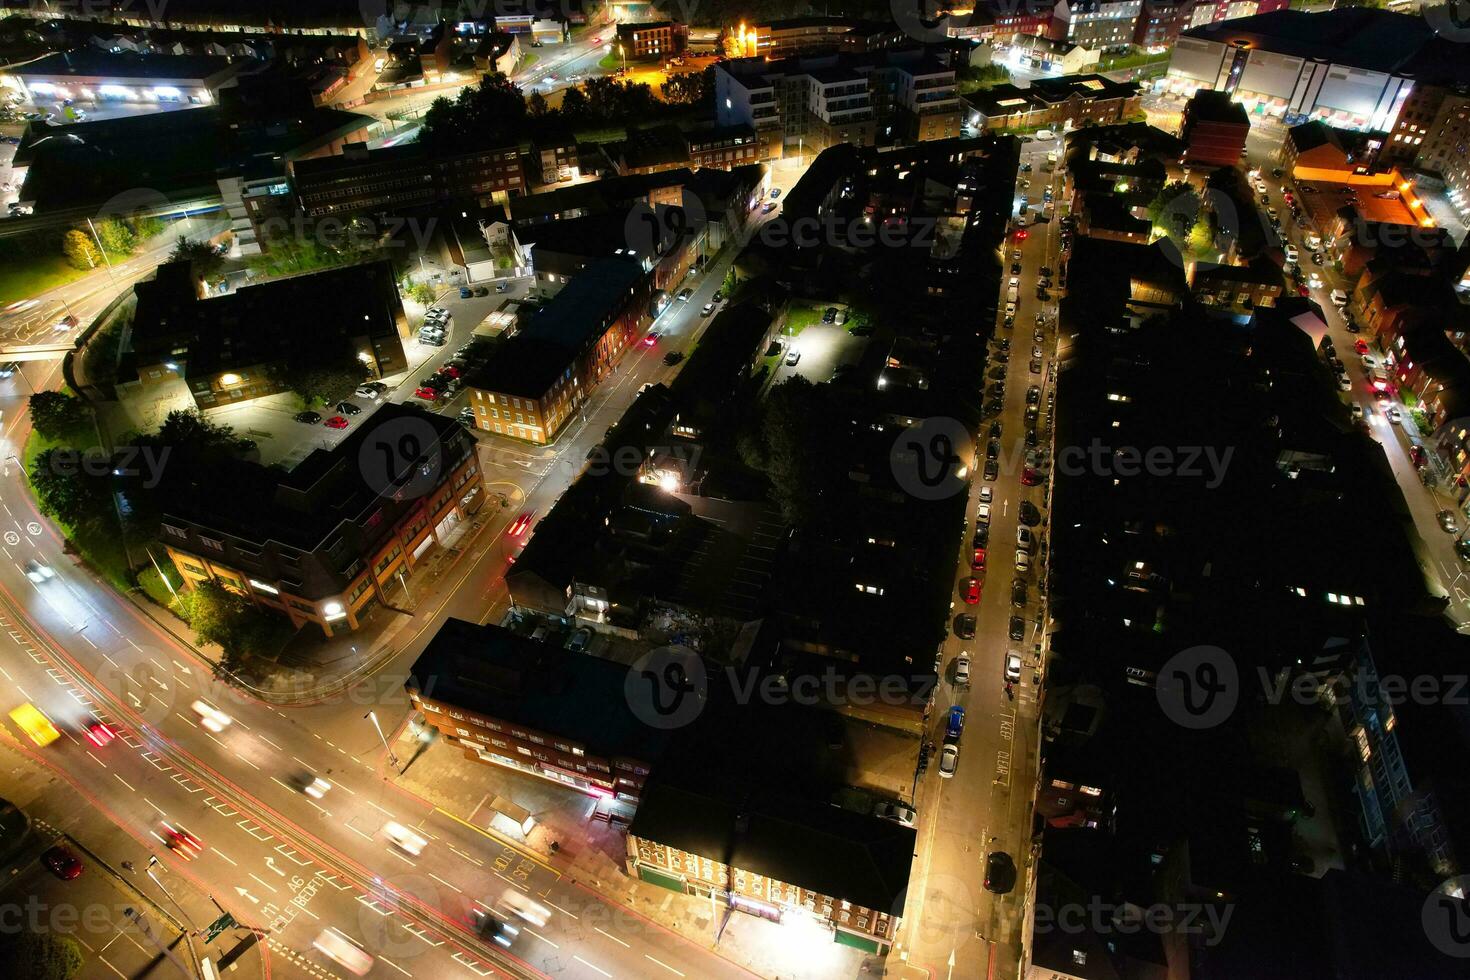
(590, 856)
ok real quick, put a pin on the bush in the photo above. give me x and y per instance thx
(44, 956)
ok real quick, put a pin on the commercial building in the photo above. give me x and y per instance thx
(1214, 130)
(91, 75)
(1351, 67)
(331, 538)
(1098, 25)
(807, 104)
(651, 39)
(1064, 102)
(542, 376)
(795, 36)
(405, 176)
(228, 349)
(663, 240)
(512, 701)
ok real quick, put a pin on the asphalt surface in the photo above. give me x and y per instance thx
(954, 925)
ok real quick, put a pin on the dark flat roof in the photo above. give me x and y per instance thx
(1358, 36)
(525, 366)
(491, 671)
(95, 62)
(575, 315)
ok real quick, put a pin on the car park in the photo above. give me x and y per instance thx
(427, 393)
(707, 309)
(992, 469)
(1462, 548)
(1025, 538)
(366, 391)
(1033, 395)
(986, 493)
(1035, 366)
(673, 357)
(1030, 514)
(1357, 412)
(1338, 297)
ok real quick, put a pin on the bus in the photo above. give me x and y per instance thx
(30, 720)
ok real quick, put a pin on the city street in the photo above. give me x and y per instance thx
(278, 858)
(1445, 572)
(954, 925)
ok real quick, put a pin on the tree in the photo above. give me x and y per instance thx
(202, 257)
(240, 629)
(688, 88)
(322, 373)
(79, 250)
(1202, 235)
(800, 443)
(117, 236)
(536, 106)
(41, 956)
(483, 114)
(67, 491)
(57, 415)
(1175, 208)
(574, 105)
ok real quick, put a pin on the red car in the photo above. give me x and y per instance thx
(1360, 345)
(449, 370)
(99, 734)
(650, 340)
(977, 561)
(970, 589)
(182, 843)
(426, 393)
(62, 862)
(1022, 234)
(521, 523)
(1303, 291)
(336, 422)
(1029, 476)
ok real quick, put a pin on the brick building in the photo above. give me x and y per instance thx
(405, 176)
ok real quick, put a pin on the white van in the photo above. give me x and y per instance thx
(1011, 296)
(1291, 254)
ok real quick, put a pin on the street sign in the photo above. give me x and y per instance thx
(212, 931)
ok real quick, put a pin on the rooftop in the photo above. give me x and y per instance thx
(1358, 36)
(491, 671)
(92, 62)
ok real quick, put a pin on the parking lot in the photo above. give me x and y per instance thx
(822, 346)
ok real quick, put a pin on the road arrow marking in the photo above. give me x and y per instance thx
(244, 894)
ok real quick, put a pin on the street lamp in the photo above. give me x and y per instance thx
(392, 759)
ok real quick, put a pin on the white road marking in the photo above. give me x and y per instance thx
(612, 937)
(664, 965)
(542, 938)
(124, 782)
(590, 966)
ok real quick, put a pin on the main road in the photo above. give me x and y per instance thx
(277, 858)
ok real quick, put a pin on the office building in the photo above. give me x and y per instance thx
(405, 176)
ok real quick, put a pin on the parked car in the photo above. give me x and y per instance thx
(1447, 522)
(347, 408)
(684, 294)
(1013, 666)
(336, 422)
(949, 760)
(310, 418)
(962, 669)
(62, 862)
(792, 357)
(970, 590)
(1017, 628)
(895, 811)
(1000, 872)
(366, 391)
(964, 626)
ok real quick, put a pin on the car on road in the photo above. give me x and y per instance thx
(673, 357)
(1317, 258)
(99, 734)
(1370, 362)
(336, 422)
(970, 590)
(38, 571)
(962, 669)
(1357, 413)
(8, 369)
(332, 944)
(62, 862)
(493, 927)
(949, 760)
(768, 208)
(707, 309)
(310, 418)
(1000, 873)
(1017, 629)
(684, 294)
(523, 906)
(792, 357)
(313, 785)
(404, 839)
(1338, 297)
(1395, 416)
(1013, 666)
(964, 626)
(211, 717)
(895, 811)
(519, 525)
(1447, 522)
(182, 843)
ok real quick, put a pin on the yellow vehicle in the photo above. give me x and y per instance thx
(30, 720)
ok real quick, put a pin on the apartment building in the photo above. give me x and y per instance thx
(1098, 25)
(404, 176)
(511, 701)
(1067, 101)
(807, 104)
(796, 36)
(651, 39)
(1214, 130)
(542, 376)
(326, 541)
(226, 348)
(1432, 133)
